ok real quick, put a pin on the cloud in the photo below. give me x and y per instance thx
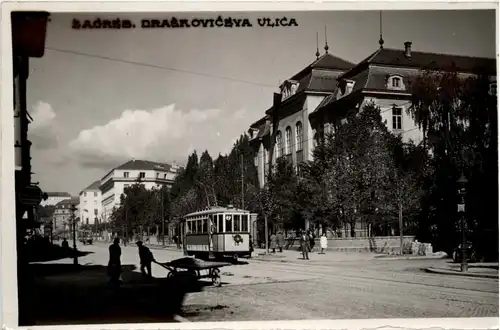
(43, 129)
(163, 134)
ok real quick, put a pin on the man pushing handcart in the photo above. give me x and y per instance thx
(195, 269)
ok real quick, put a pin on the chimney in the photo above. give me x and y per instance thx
(408, 49)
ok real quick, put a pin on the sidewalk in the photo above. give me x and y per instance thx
(480, 270)
(409, 257)
(294, 256)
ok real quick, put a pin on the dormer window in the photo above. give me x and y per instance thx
(395, 83)
(253, 132)
(345, 88)
(288, 88)
(348, 87)
(493, 89)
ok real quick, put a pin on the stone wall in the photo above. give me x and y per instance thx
(380, 244)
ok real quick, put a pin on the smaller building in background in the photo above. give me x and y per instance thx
(151, 175)
(62, 218)
(90, 209)
(55, 197)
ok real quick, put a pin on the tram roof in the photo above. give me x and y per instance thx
(218, 209)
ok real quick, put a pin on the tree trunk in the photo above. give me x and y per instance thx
(401, 227)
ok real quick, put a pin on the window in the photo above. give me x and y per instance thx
(397, 119)
(84, 203)
(266, 156)
(288, 140)
(87, 221)
(213, 221)
(236, 223)
(142, 175)
(96, 211)
(244, 222)
(221, 223)
(165, 176)
(125, 174)
(199, 226)
(157, 175)
(396, 82)
(84, 195)
(493, 89)
(204, 225)
(279, 143)
(298, 136)
(95, 193)
(229, 222)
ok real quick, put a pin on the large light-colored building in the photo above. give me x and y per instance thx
(55, 197)
(318, 98)
(91, 204)
(62, 217)
(151, 175)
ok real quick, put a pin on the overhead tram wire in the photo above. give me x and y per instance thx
(157, 66)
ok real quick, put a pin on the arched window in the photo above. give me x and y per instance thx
(298, 136)
(279, 145)
(288, 140)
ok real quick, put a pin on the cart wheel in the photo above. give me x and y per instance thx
(216, 280)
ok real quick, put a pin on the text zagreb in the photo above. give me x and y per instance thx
(219, 22)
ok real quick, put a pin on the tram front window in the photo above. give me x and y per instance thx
(236, 223)
(221, 222)
(244, 222)
(229, 222)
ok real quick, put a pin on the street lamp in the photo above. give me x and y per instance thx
(73, 218)
(462, 190)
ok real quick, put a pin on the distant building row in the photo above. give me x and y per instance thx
(317, 99)
(96, 202)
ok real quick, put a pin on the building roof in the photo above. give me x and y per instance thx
(426, 60)
(137, 164)
(326, 61)
(94, 186)
(368, 75)
(58, 194)
(72, 200)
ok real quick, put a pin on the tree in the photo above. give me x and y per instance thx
(461, 133)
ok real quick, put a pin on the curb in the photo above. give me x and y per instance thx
(389, 257)
(456, 273)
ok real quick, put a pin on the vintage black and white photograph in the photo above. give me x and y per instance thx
(254, 166)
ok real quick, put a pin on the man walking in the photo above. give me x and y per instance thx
(114, 264)
(304, 245)
(281, 241)
(146, 258)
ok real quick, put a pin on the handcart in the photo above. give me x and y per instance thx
(195, 268)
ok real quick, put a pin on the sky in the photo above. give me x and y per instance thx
(99, 98)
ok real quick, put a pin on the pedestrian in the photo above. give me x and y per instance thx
(304, 245)
(65, 244)
(146, 258)
(281, 240)
(114, 264)
(324, 243)
(273, 242)
(311, 240)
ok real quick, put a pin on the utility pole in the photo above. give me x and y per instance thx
(242, 185)
(162, 219)
(75, 253)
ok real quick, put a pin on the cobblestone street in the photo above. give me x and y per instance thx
(334, 286)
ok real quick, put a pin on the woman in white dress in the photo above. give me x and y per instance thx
(323, 243)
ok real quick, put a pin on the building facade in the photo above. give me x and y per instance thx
(90, 210)
(150, 174)
(318, 99)
(63, 218)
(55, 197)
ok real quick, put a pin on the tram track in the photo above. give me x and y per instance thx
(368, 277)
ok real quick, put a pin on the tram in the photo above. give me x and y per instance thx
(218, 232)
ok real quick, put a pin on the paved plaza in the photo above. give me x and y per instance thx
(333, 286)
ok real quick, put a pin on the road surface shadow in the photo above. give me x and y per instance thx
(65, 294)
(52, 253)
